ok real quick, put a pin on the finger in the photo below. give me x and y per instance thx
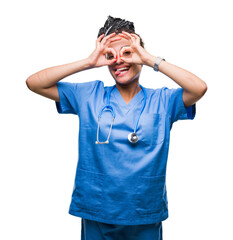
(110, 54)
(112, 40)
(127, 50)
(137, 37)
(110, 35)
(107, 37)
(127, 60)
(111, 61)
(124, 36)
(114, 53)
(128, 34)
(100, 37)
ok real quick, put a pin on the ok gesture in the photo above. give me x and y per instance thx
(135, 53)
(98, 57)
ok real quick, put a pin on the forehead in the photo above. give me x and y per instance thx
(117, 45)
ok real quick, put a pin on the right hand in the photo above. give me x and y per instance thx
(98, 57)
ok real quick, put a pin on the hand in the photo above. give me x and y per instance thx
(135, 53)
(98, 57)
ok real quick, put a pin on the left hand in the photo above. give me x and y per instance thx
(135, 53)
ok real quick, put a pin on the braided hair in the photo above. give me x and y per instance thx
(118, 25)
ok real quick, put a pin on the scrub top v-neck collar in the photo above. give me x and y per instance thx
(120, 100)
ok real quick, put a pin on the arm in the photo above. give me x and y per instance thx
(194, 87)
(44, 81)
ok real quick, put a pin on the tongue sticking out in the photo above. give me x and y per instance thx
(117, 72)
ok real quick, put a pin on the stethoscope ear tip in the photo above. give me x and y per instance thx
(106, 142)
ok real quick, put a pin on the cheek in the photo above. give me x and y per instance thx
(137, 68)
(110, 69)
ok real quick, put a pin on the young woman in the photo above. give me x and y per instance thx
(124, 131)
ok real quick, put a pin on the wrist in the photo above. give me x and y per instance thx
(89, 63)
(150, 60)
(155, 62)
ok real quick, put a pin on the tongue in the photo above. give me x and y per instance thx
(118, 72)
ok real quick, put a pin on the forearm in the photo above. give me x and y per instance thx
(50, 76)
(187, 80)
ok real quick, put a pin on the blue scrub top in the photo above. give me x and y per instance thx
(121, 182)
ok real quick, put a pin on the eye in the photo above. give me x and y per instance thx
(127, 53)
(109, 56)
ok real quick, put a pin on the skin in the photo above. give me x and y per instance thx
(118, 48)
(128, 84)
(136, 57)
(125, 50)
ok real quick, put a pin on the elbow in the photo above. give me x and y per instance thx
(203, 89)
(30, 83)
(200, 91)
(200, 88)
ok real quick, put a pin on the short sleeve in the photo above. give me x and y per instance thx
(175, 105)
(73, 95)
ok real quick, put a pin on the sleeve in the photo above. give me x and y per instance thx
(175, 105)
(74, 95)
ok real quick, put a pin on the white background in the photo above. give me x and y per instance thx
(39, 146)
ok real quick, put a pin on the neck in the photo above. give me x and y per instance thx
(128, 91)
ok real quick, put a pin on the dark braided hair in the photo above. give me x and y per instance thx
(118, 25)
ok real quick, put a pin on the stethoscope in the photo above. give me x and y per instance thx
(132, 137)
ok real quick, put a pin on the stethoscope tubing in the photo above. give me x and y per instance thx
(110, 108)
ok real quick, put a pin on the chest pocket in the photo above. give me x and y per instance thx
(152, 128)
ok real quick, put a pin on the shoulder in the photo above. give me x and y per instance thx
(164, 95)
(164, 91)
(87, 87)
(157, 92)
(97, 83)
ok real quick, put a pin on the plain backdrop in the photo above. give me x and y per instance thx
(39, 147)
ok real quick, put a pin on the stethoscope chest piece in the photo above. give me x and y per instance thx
(133, 137)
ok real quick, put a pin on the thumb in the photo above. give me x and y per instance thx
(112, 61)
(127, 60)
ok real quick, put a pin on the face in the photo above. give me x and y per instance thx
(123, 72)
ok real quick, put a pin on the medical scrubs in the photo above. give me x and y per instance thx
(122, 183)
(93, 230)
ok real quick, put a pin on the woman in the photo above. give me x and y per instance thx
(124, 131)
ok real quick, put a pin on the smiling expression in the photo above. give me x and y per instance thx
(121, 71)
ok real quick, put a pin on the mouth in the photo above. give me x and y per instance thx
(121, 71)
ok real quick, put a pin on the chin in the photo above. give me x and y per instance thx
(122, 81)
(126, 81)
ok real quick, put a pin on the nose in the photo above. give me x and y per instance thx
(119, 60)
